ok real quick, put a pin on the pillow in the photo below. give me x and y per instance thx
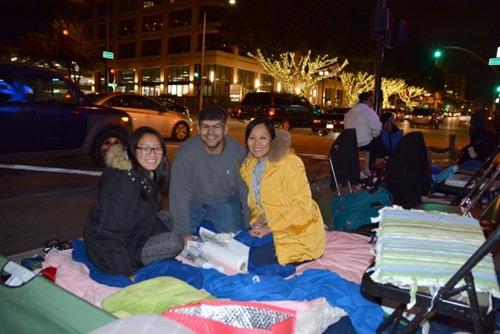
(154, 295)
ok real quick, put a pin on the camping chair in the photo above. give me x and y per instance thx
(449, 299)
(482, 183)
(441, 153)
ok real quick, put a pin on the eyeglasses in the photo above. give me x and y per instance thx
(147, 150)
(215, 127)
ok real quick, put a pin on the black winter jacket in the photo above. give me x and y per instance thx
(120, 222)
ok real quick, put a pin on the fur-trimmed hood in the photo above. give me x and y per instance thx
(280, 145)
(116, 157)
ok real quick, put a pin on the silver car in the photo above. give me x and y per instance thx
(145, 111)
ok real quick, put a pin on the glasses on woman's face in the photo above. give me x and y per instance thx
(148, 150)
(215, 127)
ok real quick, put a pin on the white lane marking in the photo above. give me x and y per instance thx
(52, 169)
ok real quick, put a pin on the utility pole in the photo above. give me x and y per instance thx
(202, 81)
(382, 27)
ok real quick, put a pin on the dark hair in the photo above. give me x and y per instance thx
(211, 113)
(364, 96)
(256, 121)
(159, 182)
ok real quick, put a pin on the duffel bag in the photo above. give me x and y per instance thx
(353, 211)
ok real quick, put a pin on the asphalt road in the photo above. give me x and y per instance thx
(41, 200)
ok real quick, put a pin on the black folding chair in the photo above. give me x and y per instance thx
(475, 309)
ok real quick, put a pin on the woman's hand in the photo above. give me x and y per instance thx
(260, 231)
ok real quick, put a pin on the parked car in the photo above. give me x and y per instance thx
(284, 110)
(45, 115)
(423, 116)
(399, 114)
(330, 120)
(145, 111)
(172, 105)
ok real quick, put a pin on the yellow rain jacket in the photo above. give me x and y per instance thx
(293, 216)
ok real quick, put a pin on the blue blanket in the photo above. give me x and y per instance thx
(365, 315)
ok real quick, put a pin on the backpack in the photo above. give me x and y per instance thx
(353, 211)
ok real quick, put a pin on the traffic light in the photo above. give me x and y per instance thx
(197, 74)
(111, 75)
(437, 54)
(65, 32)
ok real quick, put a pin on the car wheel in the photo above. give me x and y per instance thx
(103, 143)
(180, 132)
(285, 124)
(436, 127)
(324, 132)
(315, 130)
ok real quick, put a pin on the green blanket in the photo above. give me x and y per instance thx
(155, 295)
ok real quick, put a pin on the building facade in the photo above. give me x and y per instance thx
(156, 47)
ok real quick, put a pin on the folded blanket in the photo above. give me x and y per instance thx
(173, 268)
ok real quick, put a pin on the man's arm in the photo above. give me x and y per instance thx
(180, 196)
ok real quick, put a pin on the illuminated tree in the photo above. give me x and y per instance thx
(297, 77)
(391, 87)
(410, 92)
(354, 84)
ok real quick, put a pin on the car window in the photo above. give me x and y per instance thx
(281, 100)
(40, 88)
(305, 103)
(6, 86)
(145, 103)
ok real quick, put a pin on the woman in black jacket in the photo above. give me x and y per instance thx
(125, 230)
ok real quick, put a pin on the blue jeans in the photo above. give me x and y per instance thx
(226, 216)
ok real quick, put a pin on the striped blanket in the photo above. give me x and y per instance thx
(416, 248)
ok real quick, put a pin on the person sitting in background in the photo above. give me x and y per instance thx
(280, 198)
(125, 230)
(368, 127)
(391, 134)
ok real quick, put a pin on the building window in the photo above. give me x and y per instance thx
(178, 80)
(150, 81)
(178, 74)
(151, 48)
(151, 3)
(126, 81)
(127, 27)
(179, 44)
(180, 18)
(266, 83)
(101, 31)
(216, 81)
(127, 5)
(152, 22)
(103, 9)
(213, 42)
(126, 50)
(246, 80)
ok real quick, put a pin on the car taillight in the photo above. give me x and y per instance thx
(316, 121)
(271, 111)
(239, 112)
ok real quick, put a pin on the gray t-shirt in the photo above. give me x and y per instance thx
(204, 178)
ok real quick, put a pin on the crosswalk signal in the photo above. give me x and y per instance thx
(197, 74)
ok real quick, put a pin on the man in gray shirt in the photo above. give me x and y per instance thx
(205, 182)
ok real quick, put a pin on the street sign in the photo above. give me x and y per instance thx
(108, 55)
(494, 62)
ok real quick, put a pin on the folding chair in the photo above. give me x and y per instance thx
(482, 182)
(449, 152)
(449, 299)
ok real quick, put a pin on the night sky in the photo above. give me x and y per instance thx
(470, 24)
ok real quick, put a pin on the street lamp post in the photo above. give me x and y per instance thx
(202, 81)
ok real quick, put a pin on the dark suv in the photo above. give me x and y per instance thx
(43, 115)
(284, 110)
(423, 116)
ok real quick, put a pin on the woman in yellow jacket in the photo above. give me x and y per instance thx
(280, 198)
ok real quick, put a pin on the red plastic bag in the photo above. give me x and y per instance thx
(233, 317)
